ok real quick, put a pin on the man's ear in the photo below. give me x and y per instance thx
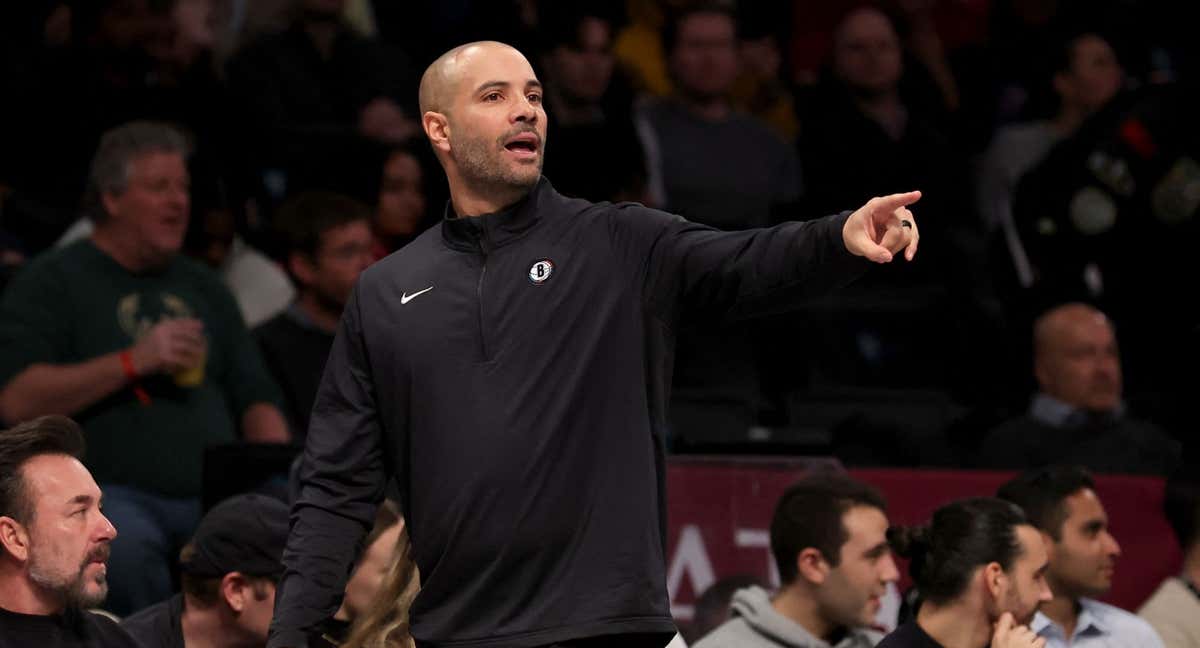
(108, 201)
(235, 589)
(437, 129)
(303, 268)
(812, 566)
(995, 580)
(14, 537)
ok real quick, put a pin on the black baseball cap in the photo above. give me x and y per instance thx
(245, 533)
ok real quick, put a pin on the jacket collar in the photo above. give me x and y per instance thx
(489, 231)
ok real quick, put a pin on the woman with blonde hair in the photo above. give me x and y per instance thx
(374, 612)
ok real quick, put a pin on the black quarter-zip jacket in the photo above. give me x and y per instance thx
(511, 372)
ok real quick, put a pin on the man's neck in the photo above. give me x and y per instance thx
(713, 109)
(468, 202)
(802, 608)
(204, 628)
(1063, 611)
(956, 625)
(317, 312)
(21, 595)
(122, 249)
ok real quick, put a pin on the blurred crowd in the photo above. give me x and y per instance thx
(1052, 141)
(190, 188)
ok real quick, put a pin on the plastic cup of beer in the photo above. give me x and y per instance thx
(193, 376)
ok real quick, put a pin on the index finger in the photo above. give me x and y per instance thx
(892, 202)
(1004, 625)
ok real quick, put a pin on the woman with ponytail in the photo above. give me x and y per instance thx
(979, 568)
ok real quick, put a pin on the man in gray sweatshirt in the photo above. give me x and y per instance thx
(829, 539)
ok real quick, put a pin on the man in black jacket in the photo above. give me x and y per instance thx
(508, 370)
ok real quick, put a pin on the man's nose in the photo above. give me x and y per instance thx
(890, 572)
(525, 111)
(1112, 547)
(107, 531)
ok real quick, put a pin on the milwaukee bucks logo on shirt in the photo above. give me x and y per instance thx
(540, 271)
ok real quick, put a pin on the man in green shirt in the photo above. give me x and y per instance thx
(145, 347)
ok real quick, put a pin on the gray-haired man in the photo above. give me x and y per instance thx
(146, 348)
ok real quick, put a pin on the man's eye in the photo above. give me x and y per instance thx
(491, 96)
(534, 98)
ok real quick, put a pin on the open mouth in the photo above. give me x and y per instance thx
(524, 145)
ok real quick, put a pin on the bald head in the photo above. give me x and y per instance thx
(443, 76)
(1060, 324)
(1076, 358)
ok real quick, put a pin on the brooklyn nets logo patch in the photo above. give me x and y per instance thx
(539, 272)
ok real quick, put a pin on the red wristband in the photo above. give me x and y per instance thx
(132, 375)
(127, 364)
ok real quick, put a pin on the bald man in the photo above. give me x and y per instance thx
(1078, 416)
(508, 370)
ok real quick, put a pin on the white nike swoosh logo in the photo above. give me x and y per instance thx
(405, 297)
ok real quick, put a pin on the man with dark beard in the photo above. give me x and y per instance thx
(980, 571)
(53, 541)
(508, 371)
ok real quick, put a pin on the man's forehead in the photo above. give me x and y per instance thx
(485, 63)
(864, 524)
(1084, 502)
(58, 477)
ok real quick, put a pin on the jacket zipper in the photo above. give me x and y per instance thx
(484, 248)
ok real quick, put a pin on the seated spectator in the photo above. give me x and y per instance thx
(1174, 608)
(864, 130)
(146, 346)
(1086, 76)
(374, 611)
(319, 100)
(229, 571)
(1061, 502)
(695, 134)
(259, 285)
(54, 541)
(328, 241)
(400, 212)
(864, 134)
(590, 123)
(1078, 416)
(829, 538)
(979, 568)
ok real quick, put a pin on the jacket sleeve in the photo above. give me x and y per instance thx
(690, 270)
(342, 476)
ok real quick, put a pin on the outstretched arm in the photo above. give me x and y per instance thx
(689, 270)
